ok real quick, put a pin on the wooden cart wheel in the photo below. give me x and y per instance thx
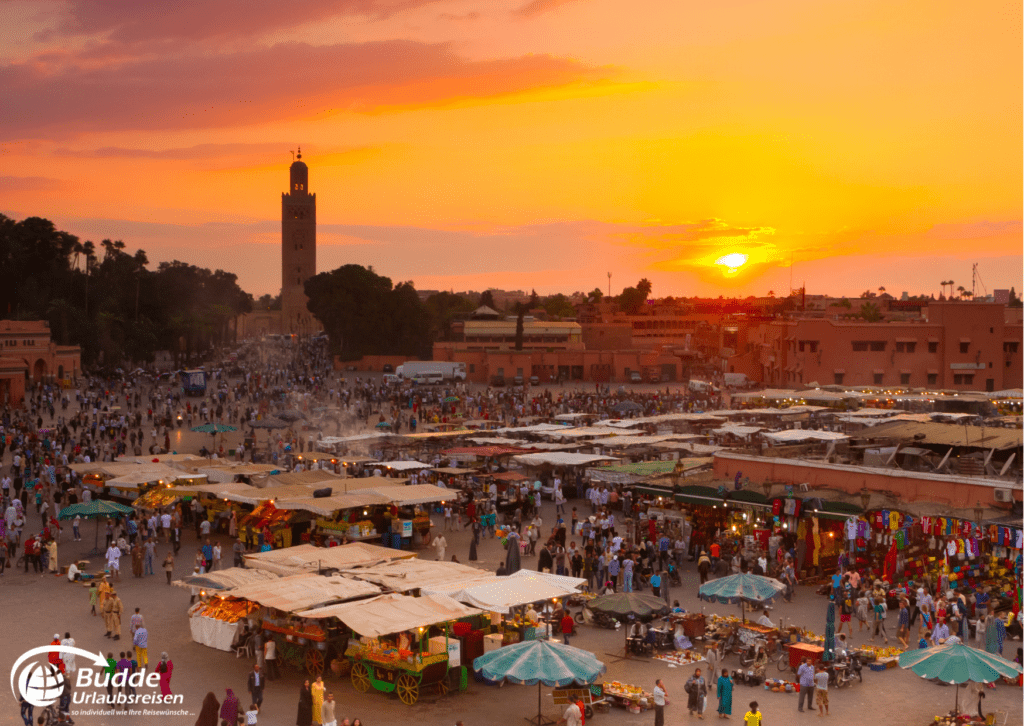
(408, 689)
(360, 677)
(588, 712)
(314, 662)
(443, 686)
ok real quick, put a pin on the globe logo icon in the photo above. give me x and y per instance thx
(41, 684)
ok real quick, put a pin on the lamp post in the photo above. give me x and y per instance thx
(979, 513)
(865, 498)
(767, 487)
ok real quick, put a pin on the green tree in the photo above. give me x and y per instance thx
(596, 294)
(870, 312)
(644, 286)
(488, 299)
(268, 302)
(559, 306)
(443, 307)
(1015, 302)
(363, 314)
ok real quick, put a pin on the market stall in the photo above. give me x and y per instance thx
(215, 623)
(395, 652)
(309, 558)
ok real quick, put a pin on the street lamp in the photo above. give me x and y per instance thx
(767, 487)
(979, 512)
(865, 498)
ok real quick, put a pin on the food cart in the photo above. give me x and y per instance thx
(395, 652)
(592, 696)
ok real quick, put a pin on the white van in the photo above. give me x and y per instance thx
(390, 379)
(426, 378)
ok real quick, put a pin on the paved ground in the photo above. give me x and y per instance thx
(36, 606)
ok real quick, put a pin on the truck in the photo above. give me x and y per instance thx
(193, 382)
(449, 371)
(736, 380)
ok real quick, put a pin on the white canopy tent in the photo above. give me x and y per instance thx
(795, 435)
(394, 613)
(499, 594)
(559, 458)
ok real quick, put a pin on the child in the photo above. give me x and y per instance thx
(94, 595)
(250, 715)
(753, 716)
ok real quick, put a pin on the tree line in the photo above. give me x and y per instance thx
(107, 301)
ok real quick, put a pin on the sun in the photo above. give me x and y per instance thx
(732, 261)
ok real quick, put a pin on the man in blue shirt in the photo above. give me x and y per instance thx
(941, 633)
(806, 674)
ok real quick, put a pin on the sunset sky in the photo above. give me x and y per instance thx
(517, 144)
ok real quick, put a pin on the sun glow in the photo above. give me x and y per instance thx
(732, 261)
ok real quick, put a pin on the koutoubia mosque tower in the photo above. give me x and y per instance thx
(298, 262)
(298, 249)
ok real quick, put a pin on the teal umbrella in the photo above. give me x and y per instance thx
(214, 428)
(541, 662)
(94, 510)
(629, 606)
(742, 588)
(958, 663)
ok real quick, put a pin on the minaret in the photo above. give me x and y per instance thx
(298, 249)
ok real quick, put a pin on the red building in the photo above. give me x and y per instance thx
(28, 356)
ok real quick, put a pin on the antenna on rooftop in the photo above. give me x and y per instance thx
(975, 281)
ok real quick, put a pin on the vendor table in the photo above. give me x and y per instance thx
(213, 633)
(799, 651)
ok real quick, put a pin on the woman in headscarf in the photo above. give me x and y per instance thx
(229, 709)
(165, 667)
(992, 643)
(724, 694)
(317, 689)
(305, 717)
(208, 714)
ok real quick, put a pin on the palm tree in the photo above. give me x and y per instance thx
(881, 290)
(771, 293)
(960, 289)
(644, 286)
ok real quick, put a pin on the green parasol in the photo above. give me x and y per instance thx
(214, 428)
(541, 662)
(94, 510)
(742, 588)
(958, 663)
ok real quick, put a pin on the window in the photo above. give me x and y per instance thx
(1011, 346)
(963, 379)
(839, 378)
(809, 345)
(878, 379)
(905, 379)
(964, 347)
(933, 347)
(860, 345)
(877, 345)
(906, 347)
(933, 379)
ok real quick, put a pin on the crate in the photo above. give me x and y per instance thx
(878, 667)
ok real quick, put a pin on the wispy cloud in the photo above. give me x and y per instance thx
(188, 153)
(29, 184)
(204, 90)
(539, 7)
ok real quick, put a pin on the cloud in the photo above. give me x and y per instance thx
(281, 82)
(539, 7)
(29, 184)
(131, 21)
(200, 151)
(976, 230)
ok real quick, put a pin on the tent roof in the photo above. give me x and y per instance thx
(394, 613)
(791, 435)
(560, 458)
(328, 505)
(226, 579)
(498, 594)
(400, 465)
(413, 574)
(296, 559)
(158, 473)
(302, 591)
(416, 494)
(948, 434)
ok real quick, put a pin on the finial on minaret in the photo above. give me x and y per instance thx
(293, 155)
(299, 155)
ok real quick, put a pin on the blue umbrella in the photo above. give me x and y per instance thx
(541, 662)
(742, 588)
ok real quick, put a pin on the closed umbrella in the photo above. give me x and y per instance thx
(742, 588)
(542, 662)
(830, 633)
(958, 663)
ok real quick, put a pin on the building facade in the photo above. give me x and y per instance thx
(966, 346)
(29, 356)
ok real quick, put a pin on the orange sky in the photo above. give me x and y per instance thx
(526, 144)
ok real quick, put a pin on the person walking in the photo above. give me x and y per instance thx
(806, 675)
(168, 566)
(567, 625)
(141, 642)
(270, 659)
(724, 694)
(255, 686)
(149, 554)
(696, 694)
(317, 689)
(659, 703)
(208, 712)
(165, 668)
(879, 613)
(821, 690)
(327, 711)
(304, 716)
(229, 709)
(68, 658)
(703, 566)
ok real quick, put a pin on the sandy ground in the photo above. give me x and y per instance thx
(36, 606)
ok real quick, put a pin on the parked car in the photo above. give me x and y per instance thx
(534, 380)
(635, 377)
(517, 381)
(498, 381)
(388, 368)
